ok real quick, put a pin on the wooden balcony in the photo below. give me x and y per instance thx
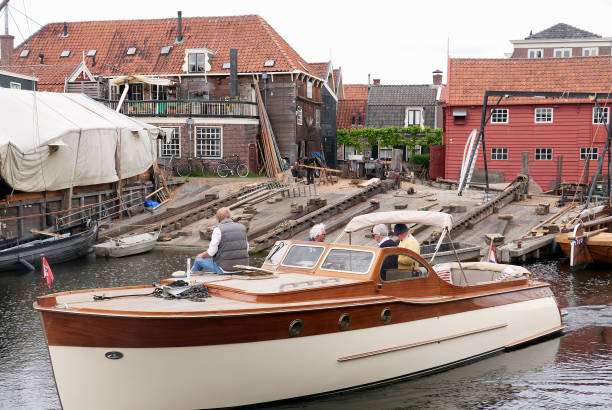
(187, 108)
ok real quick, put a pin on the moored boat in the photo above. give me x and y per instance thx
(315, 318)
(127, 245)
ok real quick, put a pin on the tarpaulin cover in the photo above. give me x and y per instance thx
(430, 218)
(52, 141)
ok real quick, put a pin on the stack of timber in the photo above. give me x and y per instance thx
(271, 154)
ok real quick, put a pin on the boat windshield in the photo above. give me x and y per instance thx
(348, 260)
(276, 253)
(303, 256)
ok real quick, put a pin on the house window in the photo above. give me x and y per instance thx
(536, 53)
(318, 118)
(92, 53)
(16, 86)
(349, 151)
(159, 92)
(589, 152)
(226, 66)
(499, 154)
(197, 62)
(499, 116)
(269, 63)
(208, 142)
(24, 53)
(165, 50)
(298, 114)
(543, 115)
(385, 153)
(131, 51)
(543, 154)
(171, 144)
(115, 92)
(135, 92)
(590, 52)
(563, 52)
(418, 150)
(601, 115)
(413, 117)
(65, 53)
(309, 89)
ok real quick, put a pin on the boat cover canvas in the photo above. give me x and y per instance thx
(52, 141)
(431, 218)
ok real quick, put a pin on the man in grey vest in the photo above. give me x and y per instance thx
(228, 247)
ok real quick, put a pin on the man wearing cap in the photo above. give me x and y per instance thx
(407, 241)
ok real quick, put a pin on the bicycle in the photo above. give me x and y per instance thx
(232, 165)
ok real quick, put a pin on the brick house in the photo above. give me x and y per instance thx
(561, 40)
(351, 112)
(180, 69)
(558, 134)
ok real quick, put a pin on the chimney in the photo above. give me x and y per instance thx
(377, 81)
(437, 77)
(179, 29)
(233, 72)
(42, 58)
(6, 49)
(65, 30)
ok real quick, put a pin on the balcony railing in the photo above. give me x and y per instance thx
(187, 108)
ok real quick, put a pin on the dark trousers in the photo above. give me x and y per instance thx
(310, 175)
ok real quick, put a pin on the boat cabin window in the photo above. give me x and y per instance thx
(348, 260)
(303, 256)
(398, 267)
(276, 253)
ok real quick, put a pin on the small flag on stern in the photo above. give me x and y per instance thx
(46, 272)
(491, 257)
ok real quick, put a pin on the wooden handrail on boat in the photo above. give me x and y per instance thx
(587, 234)
(603, 220)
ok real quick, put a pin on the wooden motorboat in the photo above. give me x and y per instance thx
(315, 318)
(450, 252)
(64, 245)
(127, 245)
(588, 237)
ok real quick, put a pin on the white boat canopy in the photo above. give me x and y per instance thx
(140, 79)
(53, 141)
(431, 218)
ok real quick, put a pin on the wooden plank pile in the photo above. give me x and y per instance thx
(271, 154)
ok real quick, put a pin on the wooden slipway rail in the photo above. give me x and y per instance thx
(510, 194)
(292, 227)
(175, 218)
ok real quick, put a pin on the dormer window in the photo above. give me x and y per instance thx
(165, 50)
(92, 53)
(197, 62)
(269, 63)
(65, 53)
(131, 51)
(225, 66)
(24, 53)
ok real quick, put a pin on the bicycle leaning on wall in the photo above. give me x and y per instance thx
(232, 165)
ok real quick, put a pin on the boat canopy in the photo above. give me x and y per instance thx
(431, 218)
(141, 79)
(53, 141)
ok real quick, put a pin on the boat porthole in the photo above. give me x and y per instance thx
(295, 328)
(113, 355)
(385, 316)
(344, 322)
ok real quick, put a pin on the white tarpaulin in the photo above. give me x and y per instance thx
(140, 79)
(430, 218)
(52, 141)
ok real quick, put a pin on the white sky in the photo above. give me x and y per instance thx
(400, 42)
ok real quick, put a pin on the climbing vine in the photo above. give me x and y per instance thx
(409, 137)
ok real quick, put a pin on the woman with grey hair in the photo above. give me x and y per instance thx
(381, 235)
(317, 233)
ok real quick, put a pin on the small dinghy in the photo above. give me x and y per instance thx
(127, 245)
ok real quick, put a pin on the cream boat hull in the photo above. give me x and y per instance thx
(258, 372)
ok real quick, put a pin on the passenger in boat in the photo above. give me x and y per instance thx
(228, 247)
(317, 233)
(381, 235)
(407, 241)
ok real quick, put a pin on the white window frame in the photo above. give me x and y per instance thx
(299, 115)
(593, 152)
(499, 154)
(156, 90)
(590, 51)
(200, 139)
(385, 149)
(304, 246)
(136, 89)
(541, 115)
(543, 154)
(318, 118)
(534, 52)
(562, 51)
(14, 85)
(200, 62)
(411, 115)
(597, 118)
(349, 271)
(309, 89)
(418, 150)
(498, 114)
(168, 149)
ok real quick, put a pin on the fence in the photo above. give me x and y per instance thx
(102, 210)
(154, 108)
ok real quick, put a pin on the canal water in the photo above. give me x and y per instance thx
(569, 372)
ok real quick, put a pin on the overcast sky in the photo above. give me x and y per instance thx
(400, 42)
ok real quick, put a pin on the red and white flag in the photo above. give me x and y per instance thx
(491, 257)
(47, 274)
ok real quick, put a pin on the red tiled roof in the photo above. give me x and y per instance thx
(319, 70)
(255, 40)
(50, 78)
(356, 91)
(468, 79)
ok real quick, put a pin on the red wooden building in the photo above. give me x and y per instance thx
(557, 134)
